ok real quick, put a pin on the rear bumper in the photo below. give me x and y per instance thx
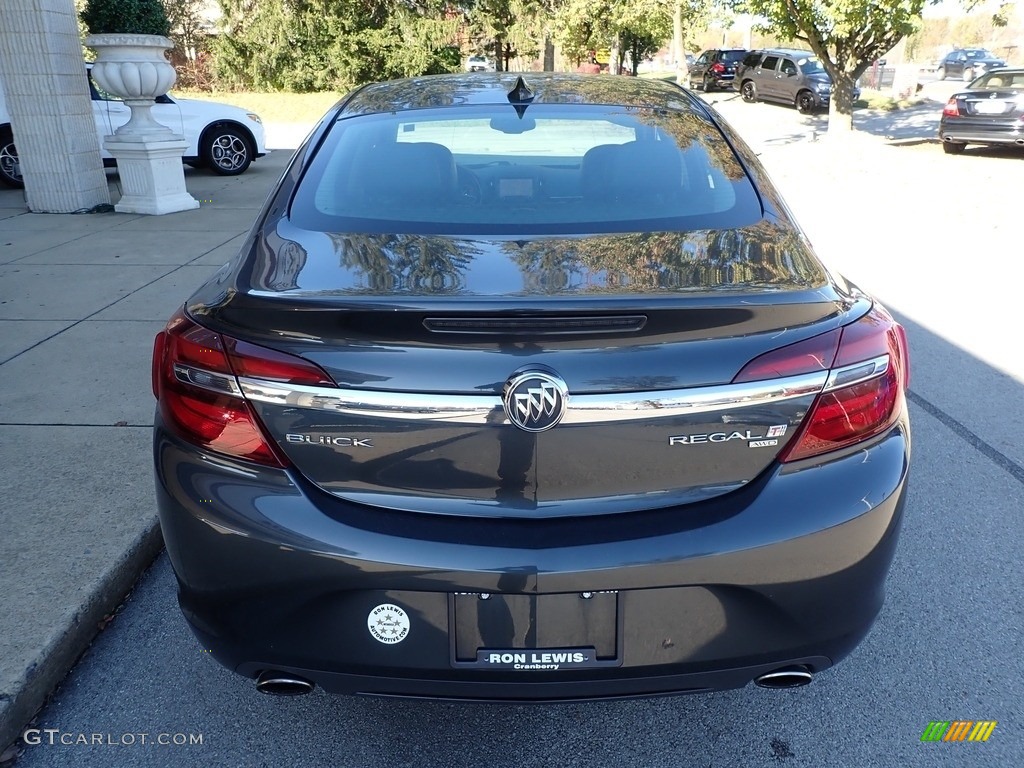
(981, 131)
(274, 574)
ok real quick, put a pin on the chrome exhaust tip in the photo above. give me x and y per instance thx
(786, 677)
(276, 683)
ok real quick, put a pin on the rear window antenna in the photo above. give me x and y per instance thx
(520, 96)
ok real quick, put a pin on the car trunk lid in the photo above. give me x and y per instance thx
(424, 336)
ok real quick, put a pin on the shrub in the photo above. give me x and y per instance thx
(141, 17)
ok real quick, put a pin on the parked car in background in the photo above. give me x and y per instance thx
(715, 68)
(787, 76)
(967, 63)
(529, 388)
(221, 137)
(480, 64)
(990, 111)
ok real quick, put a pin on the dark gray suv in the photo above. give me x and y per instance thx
(788, 76)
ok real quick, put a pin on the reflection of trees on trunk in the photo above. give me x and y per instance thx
(405, 263)
(417, 93)
(277, 265)
(552, 88)
(760, 255)
(547, 265)
(687, 129)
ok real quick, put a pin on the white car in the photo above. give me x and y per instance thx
(479, 64)
(223, 138)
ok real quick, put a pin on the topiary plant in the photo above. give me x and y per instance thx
(139, 17)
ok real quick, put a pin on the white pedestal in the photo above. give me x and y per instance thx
(152, 175)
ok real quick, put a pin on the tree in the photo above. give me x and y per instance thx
(582, 27)
(642, 27)
(639, 27)
(143, 17)
(310, 45)
(189, 32)
(846, 35)
(687, 16)
(512, 28)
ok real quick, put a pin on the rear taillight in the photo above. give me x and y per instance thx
(812, 355)
(253, 361)
(951, 109)
(194, 380)
(718, 67)
(865, 390)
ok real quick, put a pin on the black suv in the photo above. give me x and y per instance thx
(715, 68)
(967, 63)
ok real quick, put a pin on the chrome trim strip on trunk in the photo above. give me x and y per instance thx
(849, 375)
(221, 383)
(488, 409)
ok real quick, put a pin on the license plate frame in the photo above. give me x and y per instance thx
(535, 632)
(540, 659)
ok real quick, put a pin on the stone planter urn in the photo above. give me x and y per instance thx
(134, 68)
(148, 153)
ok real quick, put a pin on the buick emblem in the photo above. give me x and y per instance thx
(535, 401)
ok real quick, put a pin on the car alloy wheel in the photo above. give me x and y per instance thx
(708, 84)
(968, 74)
(940, 73)
(749, 91)
(227, 151)
(10, 167)
(805, 102)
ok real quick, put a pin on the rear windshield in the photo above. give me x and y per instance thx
(732, 57)
(556, 169)
(1000, 79)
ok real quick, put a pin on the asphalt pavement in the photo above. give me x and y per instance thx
(947, 646)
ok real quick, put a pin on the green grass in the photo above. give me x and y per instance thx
(871, 99)
(272, 107)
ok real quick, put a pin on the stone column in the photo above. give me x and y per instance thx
(43, 76)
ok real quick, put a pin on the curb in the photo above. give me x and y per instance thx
(56, 659)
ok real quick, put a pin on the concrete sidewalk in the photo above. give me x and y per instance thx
(81, 297)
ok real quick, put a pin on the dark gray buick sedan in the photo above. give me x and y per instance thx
(529, 389)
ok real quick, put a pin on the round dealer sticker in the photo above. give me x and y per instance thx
(388, 624)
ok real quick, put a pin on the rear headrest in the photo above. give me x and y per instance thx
(650, 168)
(645, 169)
(596, 170)
(407, 172)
